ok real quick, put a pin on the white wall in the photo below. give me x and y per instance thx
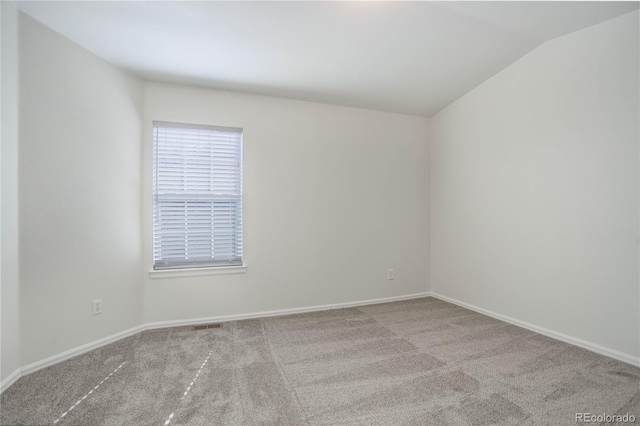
(79, 194)
(333, 196)
(534, 189)
(10, 291)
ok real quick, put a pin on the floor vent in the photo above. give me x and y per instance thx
(205, 326)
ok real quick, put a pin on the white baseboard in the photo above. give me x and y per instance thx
(264, 314)
(629, 359)
(10, 379)
(38, 365)
(79, 350)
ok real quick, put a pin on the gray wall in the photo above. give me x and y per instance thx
(9, 170)
(534, 189)
(80, 194)
(333, 197)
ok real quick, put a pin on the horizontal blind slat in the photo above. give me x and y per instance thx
(197, 195)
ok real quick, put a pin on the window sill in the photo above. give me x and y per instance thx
(156, 274)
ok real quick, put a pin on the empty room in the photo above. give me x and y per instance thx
(320, 213)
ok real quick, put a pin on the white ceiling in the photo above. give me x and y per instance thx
(405, 57)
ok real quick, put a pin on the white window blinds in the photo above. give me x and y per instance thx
(197, 196)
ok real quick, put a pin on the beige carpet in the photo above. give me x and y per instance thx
(417, 362)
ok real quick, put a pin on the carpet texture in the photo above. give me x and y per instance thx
(415, 362)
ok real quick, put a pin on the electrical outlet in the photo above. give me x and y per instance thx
(97, 307)
(391, 274)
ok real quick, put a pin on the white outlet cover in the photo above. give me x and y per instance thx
(96, 307)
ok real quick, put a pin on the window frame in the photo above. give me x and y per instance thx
(196, 267)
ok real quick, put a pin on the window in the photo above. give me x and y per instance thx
(197, 196)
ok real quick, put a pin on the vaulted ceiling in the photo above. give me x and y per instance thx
(404, 57)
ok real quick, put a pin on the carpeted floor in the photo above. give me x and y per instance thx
(416, 362)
